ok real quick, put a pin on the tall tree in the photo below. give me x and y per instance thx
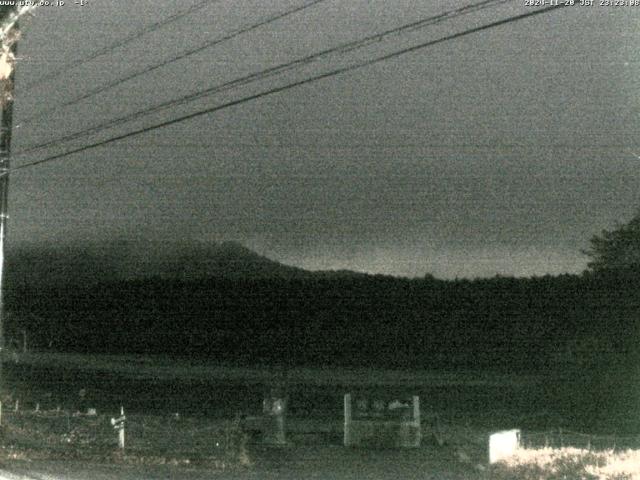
(617, 249)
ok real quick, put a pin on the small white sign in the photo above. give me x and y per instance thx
(503, 445)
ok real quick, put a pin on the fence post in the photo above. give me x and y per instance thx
(416, 414)
(118, 424)
(347, 419)
(438, 432)
(121, 438)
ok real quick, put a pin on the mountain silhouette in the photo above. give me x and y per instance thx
(226, 259)
(105, 262)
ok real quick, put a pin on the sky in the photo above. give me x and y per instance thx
(500, 152)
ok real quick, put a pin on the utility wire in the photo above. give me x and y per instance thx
(185, 54)
(270, 72)
(120, 43)
(289, 86)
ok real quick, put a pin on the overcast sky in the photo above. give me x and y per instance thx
(500, 152)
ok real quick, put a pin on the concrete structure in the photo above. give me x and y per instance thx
(372, 421)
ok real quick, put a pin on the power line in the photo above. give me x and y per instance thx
(380, 146)
(278, 69)
(119, 43)
(185, 54)
(289, 86)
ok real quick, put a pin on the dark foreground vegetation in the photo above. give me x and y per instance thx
(589, 321)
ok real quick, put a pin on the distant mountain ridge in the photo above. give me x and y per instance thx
(226, 259)
(102, 262)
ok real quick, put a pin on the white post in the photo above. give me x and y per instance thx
(281, 409)
(121, 432)
(416, 419)
(347, 419)
(121, 439)
(118, 424)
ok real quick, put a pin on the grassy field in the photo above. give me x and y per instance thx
(179, 413)
(210, 448)
(160, 368)
(196, 452)
(154, 385)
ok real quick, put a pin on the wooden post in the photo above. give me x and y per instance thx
(416, 419)
(6, 123)
(437, 431)
(347, 419)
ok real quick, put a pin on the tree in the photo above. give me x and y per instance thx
(617, 249)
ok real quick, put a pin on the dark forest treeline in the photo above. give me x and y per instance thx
(536, 324)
